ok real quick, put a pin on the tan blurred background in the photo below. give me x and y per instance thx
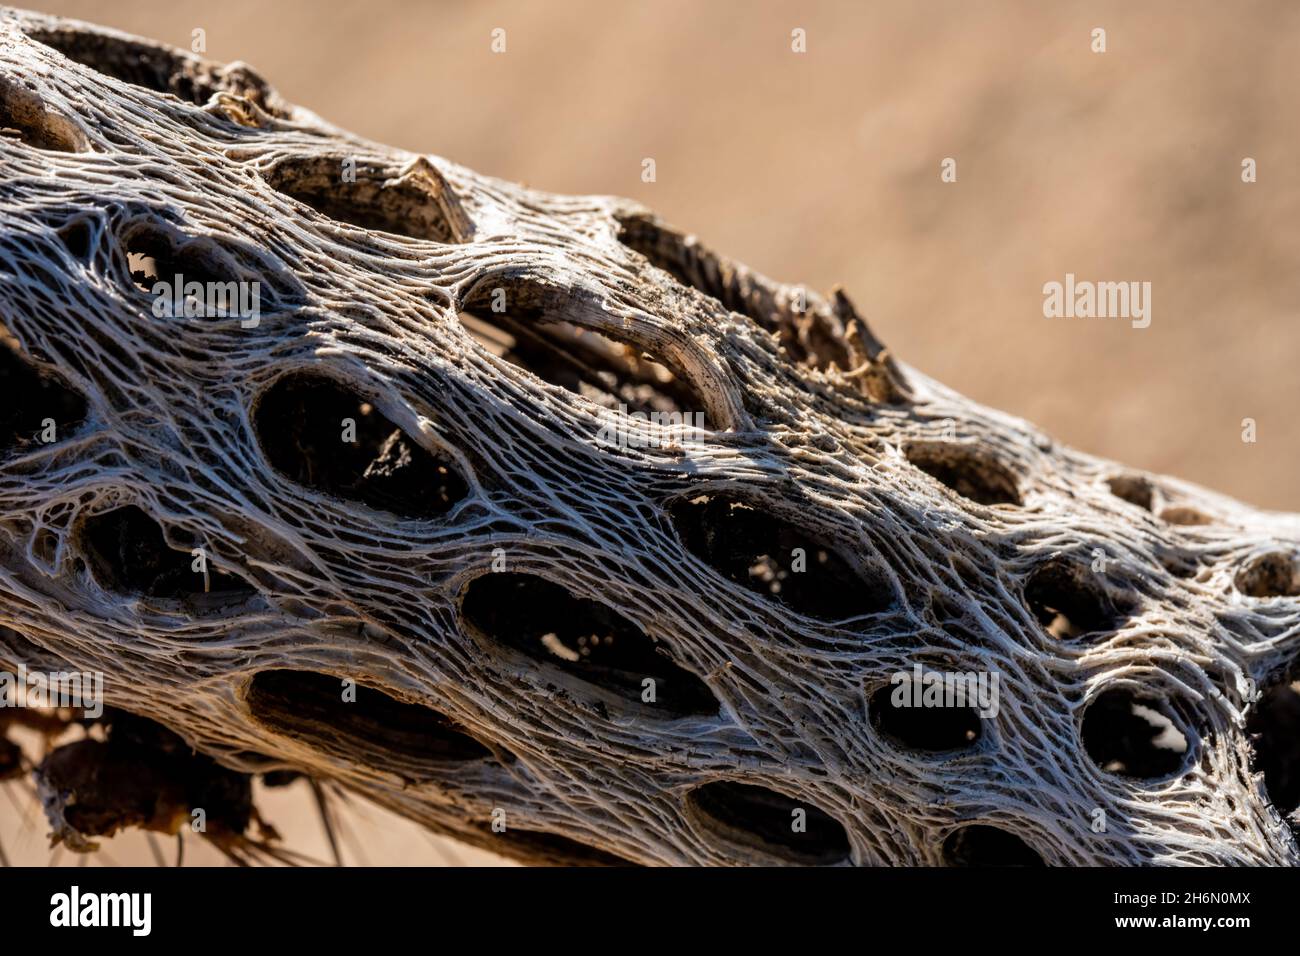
(823, 167)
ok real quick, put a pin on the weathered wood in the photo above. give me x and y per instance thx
(486, 523)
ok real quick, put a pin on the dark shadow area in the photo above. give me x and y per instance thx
(980, 845)
(585, 638)
(971, 472)
(127, 553)
(1274, 728)
(1068, 602)
(766, 820)
(312, 707)
(751, 547)
(551, 849)
(930, 729)
(523, 322)
(1133, 736)
(31, 400)
(304, 422)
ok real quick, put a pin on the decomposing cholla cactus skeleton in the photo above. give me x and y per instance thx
(628, 550)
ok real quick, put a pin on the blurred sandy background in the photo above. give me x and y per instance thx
(824, 167)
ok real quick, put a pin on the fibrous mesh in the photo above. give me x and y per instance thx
(503, 554)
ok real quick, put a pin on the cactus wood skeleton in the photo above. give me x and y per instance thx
(653, 649)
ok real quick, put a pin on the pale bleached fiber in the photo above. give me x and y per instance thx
(810, 421)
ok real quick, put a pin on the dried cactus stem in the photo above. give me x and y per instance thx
(667, 647)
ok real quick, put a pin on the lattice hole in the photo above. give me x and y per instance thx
(33, 402)
(1133, 736)
(22, 113)
(1270, 575)
(749, 546)
(154, 68)
(311, 707)
(933, 729)
(972, 473)
(522, 322)
(691, 264)
(807, 332)
(980, 845)
(583, 638)
(128, 553)
(1274, 728)
(77, 237)
(1134, 489)
(1186, 516)
(367, 195)
(754, 817)
(1069, 602)
(155, 256)
(318, 433)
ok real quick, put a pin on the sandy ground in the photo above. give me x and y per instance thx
(824, 167)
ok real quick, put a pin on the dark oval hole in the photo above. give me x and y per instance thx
(522, 321)
(370, 196)
(36, 406)
(155, 67)
(128, 553)
(1177, 561)
(980, 845)
(203, 277)
(311, 707)
(1270, 575)
(153, 256)
(1185, 516)
(1133, 736)
(131, 62)
(1134, 489)
(765, 820)
(806, 333)
(1068, 601)
(1274, 728)
(77, 237)
(584, 638)
(302, 423)
(280, 778)
(967, 470)
(900, 712)
(25, 113)
(750, 547)
(694, 265)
